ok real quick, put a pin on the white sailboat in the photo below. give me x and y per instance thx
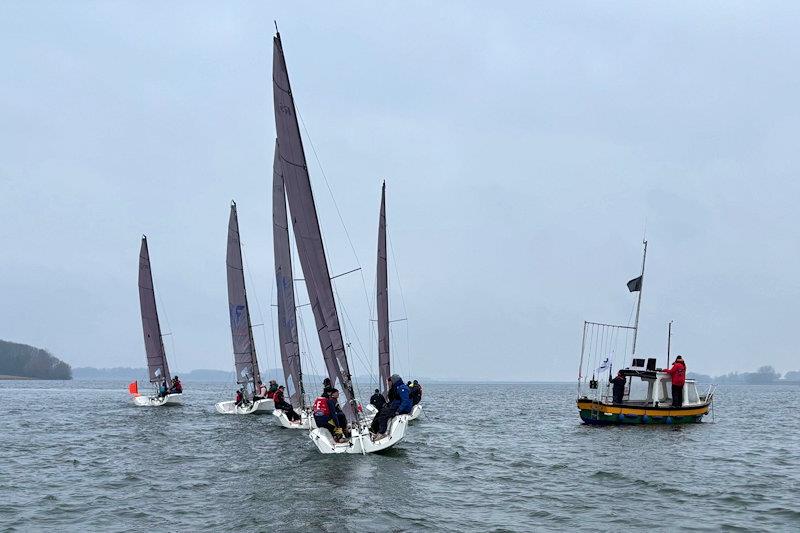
(313, 261)
(157, 367)
(244, 348)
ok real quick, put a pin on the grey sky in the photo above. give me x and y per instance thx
(523, 149)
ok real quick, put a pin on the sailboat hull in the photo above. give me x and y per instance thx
(155, 401)
(415, 412)
(259, 407)
(360, 441)
(306, 420)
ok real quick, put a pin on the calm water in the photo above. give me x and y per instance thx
(77, 455)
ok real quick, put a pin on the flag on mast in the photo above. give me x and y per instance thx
(635, 285)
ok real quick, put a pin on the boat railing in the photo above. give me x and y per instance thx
(709, 395)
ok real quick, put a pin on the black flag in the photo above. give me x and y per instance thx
(635, 284)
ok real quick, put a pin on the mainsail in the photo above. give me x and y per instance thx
(306, 229)
(153, 344)
(287, 314)
(244, 349)
(384, 369)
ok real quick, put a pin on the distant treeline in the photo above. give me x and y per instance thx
(23, 361)
(765, 375)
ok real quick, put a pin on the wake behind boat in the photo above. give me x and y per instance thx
(167, 391)
(247, 399)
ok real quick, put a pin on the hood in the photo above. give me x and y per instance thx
(396, 378)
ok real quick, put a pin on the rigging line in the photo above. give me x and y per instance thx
(258, 304)
(166, 319)
(355, 334)
(335, 204)
(402, 297)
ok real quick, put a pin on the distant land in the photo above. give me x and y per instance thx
(765, 375)
(21, 361)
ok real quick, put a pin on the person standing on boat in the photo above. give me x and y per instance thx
(619, 387)
(678, 373)
(283, 405)
(239, 397)
(324, 410)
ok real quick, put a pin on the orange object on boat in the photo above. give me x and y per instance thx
(133, 388)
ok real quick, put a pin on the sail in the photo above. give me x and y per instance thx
(287, 314)
(307, 231)
(153, 345)
(244, 350)
(382, 296)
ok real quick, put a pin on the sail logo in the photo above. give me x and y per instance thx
(245, 373)
(237, 313)
(285, 109)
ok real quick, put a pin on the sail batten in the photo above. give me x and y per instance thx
(382, 298)
(244, 351)
(305, 224)
(157, 367)
(287, 309)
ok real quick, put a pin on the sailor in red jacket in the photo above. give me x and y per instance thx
(678, 373)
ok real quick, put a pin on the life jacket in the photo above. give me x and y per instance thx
(321, 407)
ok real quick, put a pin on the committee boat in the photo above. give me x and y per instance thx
(157, 367)
(244, 348)
(314, 263)
(646, 397)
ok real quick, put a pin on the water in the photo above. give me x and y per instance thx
(77, 455)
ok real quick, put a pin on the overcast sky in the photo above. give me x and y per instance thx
(525, 152)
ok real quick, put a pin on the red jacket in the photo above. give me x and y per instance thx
(678, 373)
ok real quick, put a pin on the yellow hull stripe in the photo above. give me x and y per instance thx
(615, 410)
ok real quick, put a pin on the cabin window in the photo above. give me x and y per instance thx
(638, 390)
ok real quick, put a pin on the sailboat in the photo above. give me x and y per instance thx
(647, 395)
(287, 308)
(382, 298)
(314, 263)
(157, 366)
(244, 348)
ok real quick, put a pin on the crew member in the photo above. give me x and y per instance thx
(324, 410)
(416, 392)
(678, 373)
(377, 399)
(283, 405)
(619, 387)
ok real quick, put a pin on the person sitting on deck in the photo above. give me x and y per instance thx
(678, 373)
(177, 386)
(416, 392)
(377, 399)
(273, 388)
(283, 405)
(399, 404)
(262, 390)
(324, 410)
(239, 397)
(619, 387)
(162, 389)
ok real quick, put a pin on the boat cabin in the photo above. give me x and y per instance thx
(646, 386)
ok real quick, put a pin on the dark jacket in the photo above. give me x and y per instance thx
(619, 386)
(377, 400)
(402, 404)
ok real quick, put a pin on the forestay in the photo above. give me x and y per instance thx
(307, 231)
(287, 314)
(244, 352)
(153, 344)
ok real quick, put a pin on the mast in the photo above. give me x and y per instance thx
(669, 342)
(639, 300)
(287, 309)
(153, 342)
(244, 349)
(308, 236)
(382, 298)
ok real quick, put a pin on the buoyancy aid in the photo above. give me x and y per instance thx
(321, 407)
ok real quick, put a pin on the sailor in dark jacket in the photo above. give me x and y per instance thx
(619, 387)
(377, 400)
